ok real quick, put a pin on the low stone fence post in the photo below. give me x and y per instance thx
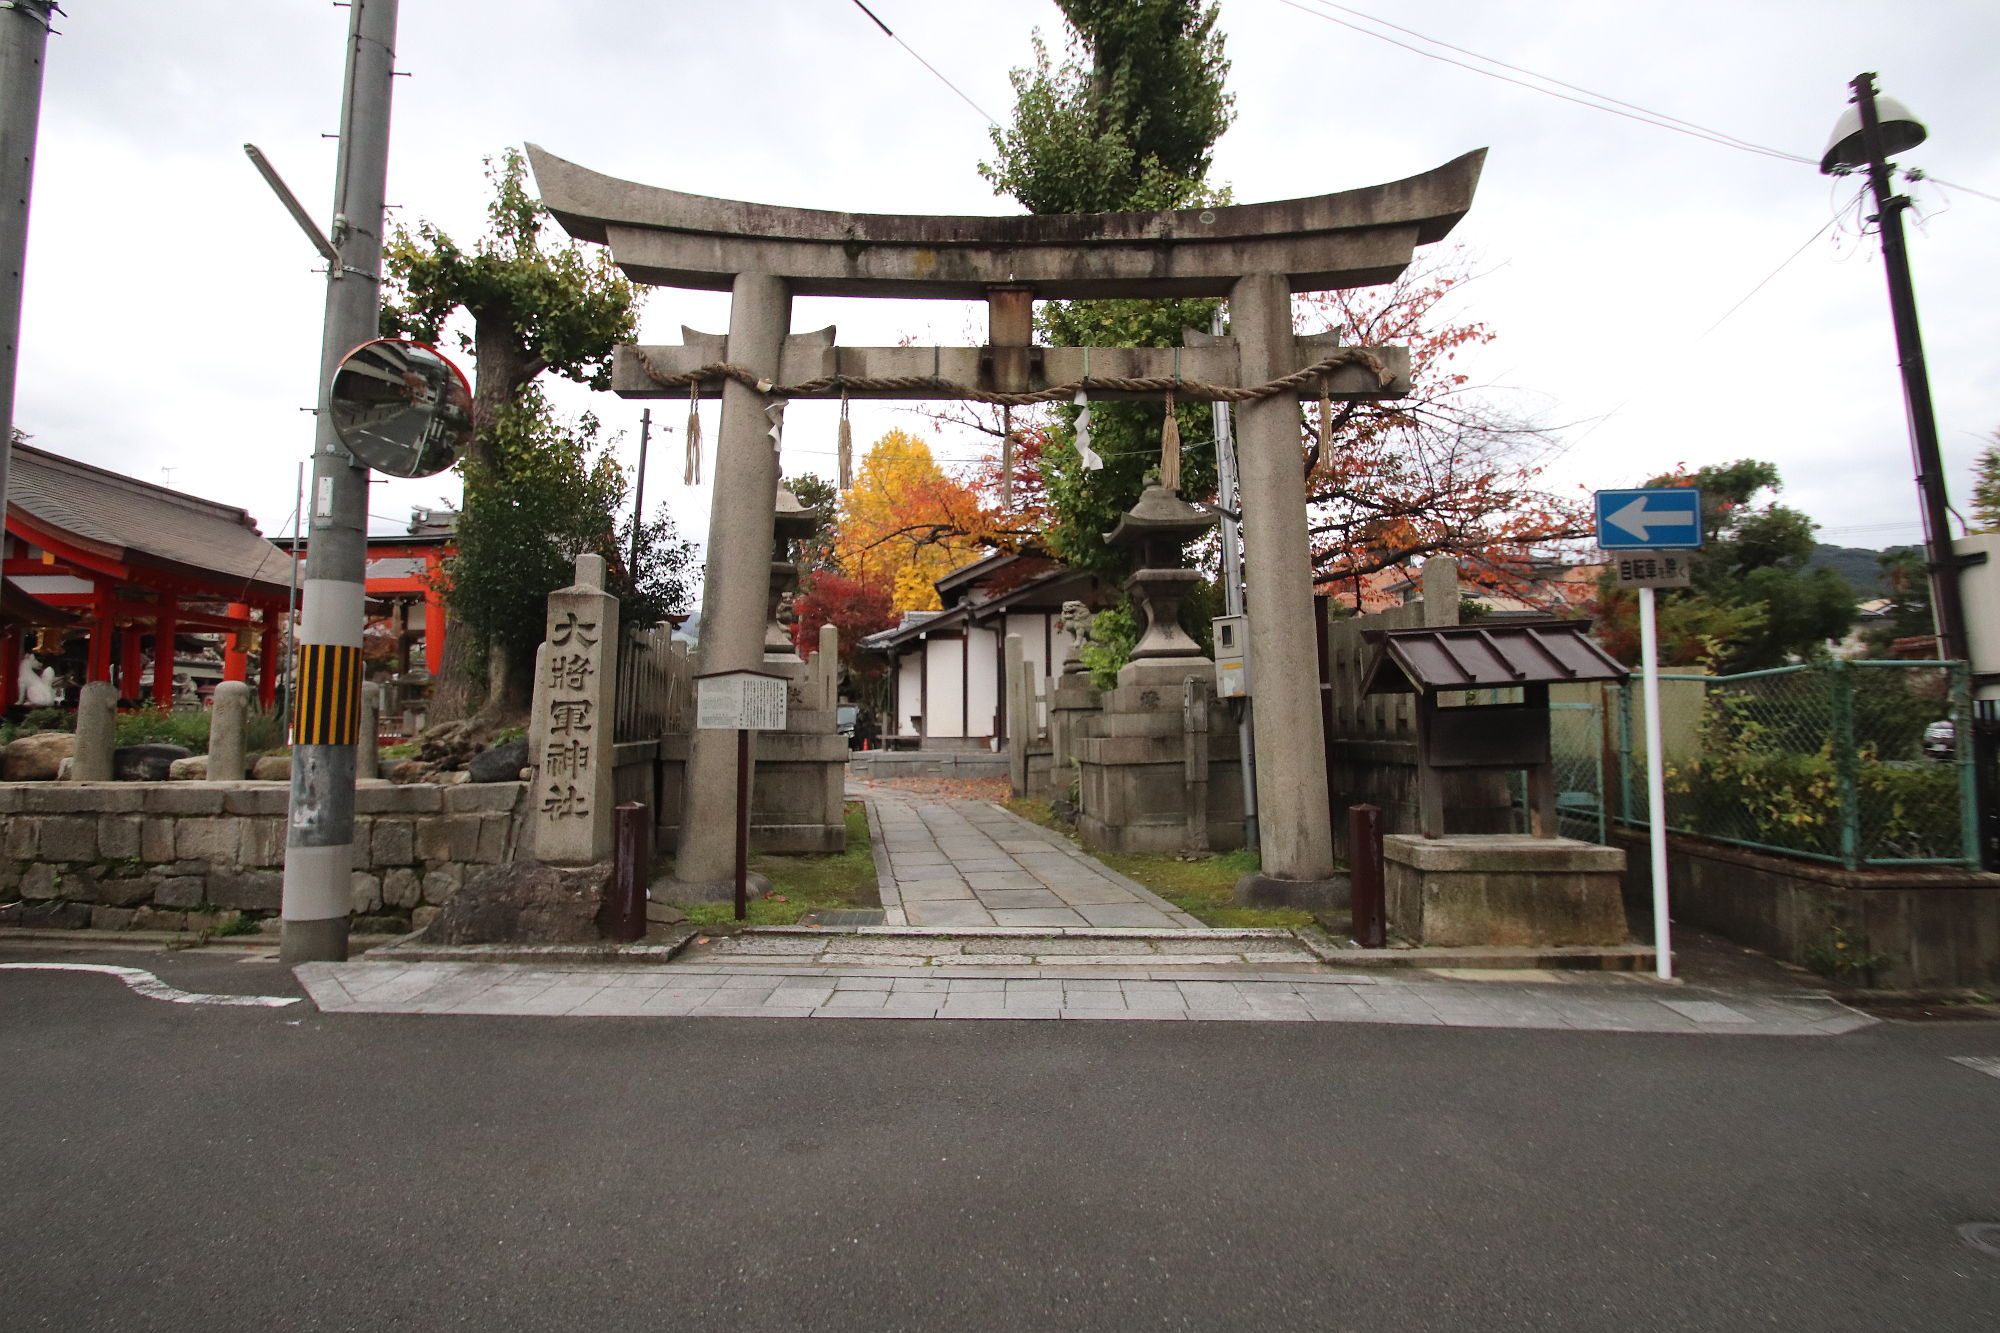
(226, 722)
(96, 732)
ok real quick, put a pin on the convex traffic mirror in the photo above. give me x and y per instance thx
(400, 407)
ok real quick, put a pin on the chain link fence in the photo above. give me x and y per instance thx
(1837, 761)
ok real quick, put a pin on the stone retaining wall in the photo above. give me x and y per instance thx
(146, 855)
(1926, 930)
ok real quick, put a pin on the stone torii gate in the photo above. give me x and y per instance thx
(1255, 255)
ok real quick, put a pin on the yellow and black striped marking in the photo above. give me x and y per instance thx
(328, 711)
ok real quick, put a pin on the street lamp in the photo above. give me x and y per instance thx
(1864, 137)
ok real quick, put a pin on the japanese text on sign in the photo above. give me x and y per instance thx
(1653, 569)
(740, 701)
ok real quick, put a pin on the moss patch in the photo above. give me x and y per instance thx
(1205, 888)
(801, 884)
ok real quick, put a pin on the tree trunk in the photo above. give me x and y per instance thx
(501, 368)
(510, 687)
(456, 689)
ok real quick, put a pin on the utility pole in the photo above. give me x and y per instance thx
(1942, 562)
(319, 842)
(1232, 592)
(24, 37)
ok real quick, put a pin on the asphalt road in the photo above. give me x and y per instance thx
(167, 1166)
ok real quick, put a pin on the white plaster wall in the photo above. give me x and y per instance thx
(947, 711)
(983, 685)
(909, 690)
(1032, 627)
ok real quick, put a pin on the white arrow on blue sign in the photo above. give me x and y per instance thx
(1657, 519)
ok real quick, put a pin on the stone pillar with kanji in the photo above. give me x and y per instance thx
(571, 801)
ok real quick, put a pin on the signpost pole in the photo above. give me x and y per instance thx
(742, 823)
(1656, 784)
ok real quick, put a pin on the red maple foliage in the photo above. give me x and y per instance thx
(1444, 471)
(854, 608)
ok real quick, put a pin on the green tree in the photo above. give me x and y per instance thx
(533, 308)
(1127, 121)
(1986, 487)
(1907, 585)
(543, 499)
(1754, 602)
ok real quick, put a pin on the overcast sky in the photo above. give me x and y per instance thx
(172, 311)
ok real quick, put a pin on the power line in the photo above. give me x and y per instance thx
(1656, 119)
(1659, 116)
(925, 63)
(1745, 300)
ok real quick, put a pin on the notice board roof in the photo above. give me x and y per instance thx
(1486, 656)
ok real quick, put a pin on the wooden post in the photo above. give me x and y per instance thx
(742, 823)
(1194, 738)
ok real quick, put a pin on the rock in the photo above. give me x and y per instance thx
(664, 914)
(380, 925)
(36, 758)
(63, 769)
(194, 768)
(423, 916)
(526, 902)
(502, 763)
(146, 763)
(272, 768)
(53, 916)
(412, 770)
(111, 918)
(153, 918)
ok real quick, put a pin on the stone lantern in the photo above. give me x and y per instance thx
(1158, 529)
(791, 521)
(1158, 771)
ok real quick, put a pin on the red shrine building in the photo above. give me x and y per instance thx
(103, 571)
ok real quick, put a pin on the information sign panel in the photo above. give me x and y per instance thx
(740, 701)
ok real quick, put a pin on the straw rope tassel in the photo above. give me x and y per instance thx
(1325, 420)
(692, 475)
(846, 447)
(1006, 460)
(1170, 449)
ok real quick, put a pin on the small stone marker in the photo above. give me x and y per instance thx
(572, 797)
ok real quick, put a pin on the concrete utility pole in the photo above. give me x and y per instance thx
(1947, 604)
(24, 35)
(319, 843)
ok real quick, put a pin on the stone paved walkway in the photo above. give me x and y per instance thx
(943, 861)
(1603, 1003)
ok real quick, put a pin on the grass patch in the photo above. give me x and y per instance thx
(1205, 889)
(805, 883)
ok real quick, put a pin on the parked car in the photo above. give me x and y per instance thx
(1939, 741)
(844, 718)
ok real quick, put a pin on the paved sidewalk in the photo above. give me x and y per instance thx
(952, 862)
(717, 991)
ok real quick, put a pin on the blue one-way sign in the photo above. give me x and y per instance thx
(1657, 519)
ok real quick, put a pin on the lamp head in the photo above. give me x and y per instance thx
(1845, 149)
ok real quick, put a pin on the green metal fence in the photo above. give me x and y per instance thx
(1825, 761)
(1576, 749)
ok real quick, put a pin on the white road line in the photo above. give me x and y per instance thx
(1985, 1064)
(150, 986)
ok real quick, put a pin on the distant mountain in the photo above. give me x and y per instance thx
(1856, 564)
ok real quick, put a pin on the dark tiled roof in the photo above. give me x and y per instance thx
(1486, 656)
(136, 522)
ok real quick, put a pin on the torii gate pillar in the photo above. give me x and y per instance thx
(733, 605)
(1296, 842)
